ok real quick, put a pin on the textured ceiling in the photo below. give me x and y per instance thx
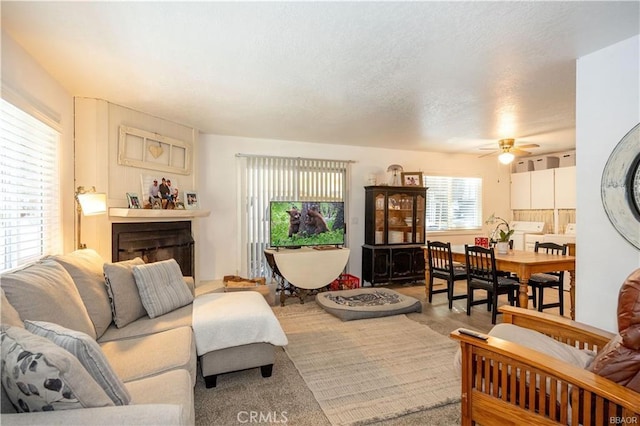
(435, 76)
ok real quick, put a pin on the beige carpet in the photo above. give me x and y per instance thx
(369, 370)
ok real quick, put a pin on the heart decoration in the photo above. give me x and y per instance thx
(155, 150)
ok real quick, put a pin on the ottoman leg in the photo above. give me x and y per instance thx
(210, 381)
(266, 370)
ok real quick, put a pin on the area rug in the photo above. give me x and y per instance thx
(369, 370)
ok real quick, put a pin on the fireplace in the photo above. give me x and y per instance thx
(153, 242)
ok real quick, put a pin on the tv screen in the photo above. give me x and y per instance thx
(306, 223)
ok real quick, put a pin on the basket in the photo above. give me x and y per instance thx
(345, 282)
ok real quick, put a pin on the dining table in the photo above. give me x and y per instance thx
(523, 264)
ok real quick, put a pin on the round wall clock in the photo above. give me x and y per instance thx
(620, 187)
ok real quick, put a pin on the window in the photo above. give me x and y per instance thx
(265, 179)
(453, 203)
(30, 223)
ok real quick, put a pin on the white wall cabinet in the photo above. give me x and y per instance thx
(565, 188)
(542, 189)
(521, 191)
(533, 190)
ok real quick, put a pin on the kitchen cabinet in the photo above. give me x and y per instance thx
(533, 190)
(394, 234)
(542, 189)
(565, 188)
(521, 191)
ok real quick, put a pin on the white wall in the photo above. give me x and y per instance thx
(218, 190)
(608, 106)
(26, 84)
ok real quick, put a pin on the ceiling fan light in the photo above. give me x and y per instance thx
(506, 157)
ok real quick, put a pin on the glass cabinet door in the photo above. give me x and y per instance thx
(400, 218)
(380, 228)
(419, 219)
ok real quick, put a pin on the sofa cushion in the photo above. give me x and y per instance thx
(144, 326)
(140, 357)
(161, 287)
(44, 291)
(10, 316)
(173, 387)
(85, 268)
(88, 352)
(38, 375)
(537, 341)
(543, 343)
(126, 305)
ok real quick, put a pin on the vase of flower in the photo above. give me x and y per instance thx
(502, 247)
(501, 234)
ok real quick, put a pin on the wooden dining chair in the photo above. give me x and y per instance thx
(482, 275)
(555, 279)
(441, 266)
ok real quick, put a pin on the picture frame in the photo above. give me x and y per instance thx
(134, 200)
(191, 200)
(411, 178)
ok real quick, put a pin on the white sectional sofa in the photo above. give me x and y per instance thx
(153, 357)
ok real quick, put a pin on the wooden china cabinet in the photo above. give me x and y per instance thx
(394, 234)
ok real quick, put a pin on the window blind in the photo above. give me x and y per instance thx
(453, 203)
(30, 222)
(263, 179)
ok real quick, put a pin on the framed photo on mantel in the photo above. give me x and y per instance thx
(191, 200)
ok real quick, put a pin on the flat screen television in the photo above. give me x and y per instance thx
(294, 224)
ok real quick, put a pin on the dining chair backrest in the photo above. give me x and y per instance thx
(440, 258)
(552, 248)
(481, 263)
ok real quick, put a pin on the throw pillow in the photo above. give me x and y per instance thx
(85, 268)
(126, 305)
(37, 375)
(161, 287)
(44, 291)
(88, 352)
(10, 317)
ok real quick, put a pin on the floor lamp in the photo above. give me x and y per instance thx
(89, 203)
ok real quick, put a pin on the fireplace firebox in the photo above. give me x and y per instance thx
(153, 242)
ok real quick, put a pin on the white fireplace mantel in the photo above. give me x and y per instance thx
(157, 213)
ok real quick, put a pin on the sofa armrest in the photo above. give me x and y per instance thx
(143, 414)
(502, 381)
(561, 329)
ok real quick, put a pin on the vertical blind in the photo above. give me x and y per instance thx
(265, 179)
(30, 222)
(453, 203)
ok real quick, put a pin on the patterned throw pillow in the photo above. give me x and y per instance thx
(88, 352)
(38, 375)
(123, 292)
(161, 286)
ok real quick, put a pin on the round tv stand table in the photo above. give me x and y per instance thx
(307, 268)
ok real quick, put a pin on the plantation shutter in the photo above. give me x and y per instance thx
(30, 222)
(453, 203)
(264, 179)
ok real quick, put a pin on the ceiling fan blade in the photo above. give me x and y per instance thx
(488, 149)
(518, 152)
(528, 145)
(488, 154)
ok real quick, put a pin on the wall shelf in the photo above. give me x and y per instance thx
(157, 213)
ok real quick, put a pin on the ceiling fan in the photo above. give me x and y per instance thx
(508, 150)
